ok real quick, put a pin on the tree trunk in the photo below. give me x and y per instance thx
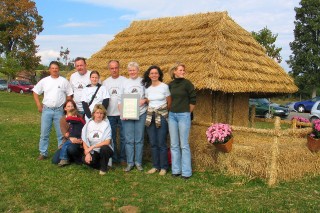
(314, 92)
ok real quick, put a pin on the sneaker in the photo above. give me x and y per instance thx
(63, 163)
(152, 171)
(185, 177)
(139, 167)
(102, 172)
(128, 168)
(42, 157)
(163, 172)
(176, 175)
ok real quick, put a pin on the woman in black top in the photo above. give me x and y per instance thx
(183, 102)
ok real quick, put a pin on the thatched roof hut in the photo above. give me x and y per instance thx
(227, 66)
(219, 54)
(223, 60)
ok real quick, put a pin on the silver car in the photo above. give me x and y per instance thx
(315, 112)
(3, 85)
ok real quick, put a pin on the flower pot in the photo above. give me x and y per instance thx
(313, 144)
(224, 147)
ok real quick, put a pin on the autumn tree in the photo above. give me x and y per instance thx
(305, 58)
(19, 26)
(267, 39)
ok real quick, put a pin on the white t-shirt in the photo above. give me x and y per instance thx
(113, 86)
(88, 92)
(78, 83)
(134, 86)
(94, 133)
(54, 90)
(157, 95)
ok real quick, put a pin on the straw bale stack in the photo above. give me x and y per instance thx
(253, 153)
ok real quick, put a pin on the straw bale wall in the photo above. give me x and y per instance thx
(273, 155)
(222, 107)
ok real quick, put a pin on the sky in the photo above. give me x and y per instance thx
(85, 26)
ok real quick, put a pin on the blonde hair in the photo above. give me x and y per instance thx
(99, 107)
(133, 64)
(72, 112)
(174, 68)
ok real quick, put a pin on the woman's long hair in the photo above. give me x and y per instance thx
(65, 104)
(146, 81)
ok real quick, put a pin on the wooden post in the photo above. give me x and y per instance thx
(252, 115)
(274, 154)
(294, 123)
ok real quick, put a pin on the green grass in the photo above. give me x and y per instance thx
(28, 185)
(269, 125)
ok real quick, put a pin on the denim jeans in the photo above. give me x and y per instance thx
(115, 123)
(74, 151)
(49, 116)
(134, 137)
(63, 152)
(179, 128)
(158, 142)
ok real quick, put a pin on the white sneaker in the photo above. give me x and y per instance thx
(163, 172)
(102, 173)
(152, 171)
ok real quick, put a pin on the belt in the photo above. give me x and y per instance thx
(53, 108)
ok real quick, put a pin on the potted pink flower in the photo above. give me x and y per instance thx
(220, 135)
(314, 138)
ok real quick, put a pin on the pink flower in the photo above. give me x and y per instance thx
(219, 133)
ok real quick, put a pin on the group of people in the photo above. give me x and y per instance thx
(87, 114)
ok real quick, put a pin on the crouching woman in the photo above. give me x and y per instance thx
(96, 136)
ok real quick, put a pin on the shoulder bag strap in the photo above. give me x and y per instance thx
(94, 95)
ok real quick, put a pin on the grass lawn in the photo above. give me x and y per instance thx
(28, 185)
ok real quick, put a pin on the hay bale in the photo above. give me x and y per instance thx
(251, 154)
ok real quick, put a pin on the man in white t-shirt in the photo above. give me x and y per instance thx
(79, 80)
(113, 85)
(56, 90)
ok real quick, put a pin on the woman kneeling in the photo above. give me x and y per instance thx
(96, 136)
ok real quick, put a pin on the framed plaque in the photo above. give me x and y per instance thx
(130, 106)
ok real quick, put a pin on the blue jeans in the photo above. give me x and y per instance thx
(75, 153)
(49, 116)
(158, 142)
(115, 122)
(134, 137)
(179, 128)
(64, 149)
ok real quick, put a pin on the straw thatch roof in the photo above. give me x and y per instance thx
(218, 53)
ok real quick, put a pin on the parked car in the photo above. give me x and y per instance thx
(290, 106)
(305, 106)
(20, 86)
(266, 109)
(3, 85)
(315, 111)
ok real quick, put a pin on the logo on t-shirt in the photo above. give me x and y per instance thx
(134, 90)
(114, 92)
(95, 135)
(80, 86)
